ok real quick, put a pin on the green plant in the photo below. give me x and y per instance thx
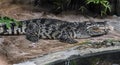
(95, 60)
(60, 3)
(82, 9)
(104, 3)
(73, 62)
(111, 40)
(8, 21)
(86, 42)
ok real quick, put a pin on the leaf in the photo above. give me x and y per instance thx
(8, 21)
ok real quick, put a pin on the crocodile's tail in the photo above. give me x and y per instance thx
(14, 29)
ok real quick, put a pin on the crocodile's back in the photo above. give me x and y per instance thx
(20, 29)
(46, 28)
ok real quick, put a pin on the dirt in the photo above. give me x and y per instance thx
(17, 48)
(3, 60)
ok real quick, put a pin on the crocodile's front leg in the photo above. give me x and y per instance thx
(32, 38)
(66, 38)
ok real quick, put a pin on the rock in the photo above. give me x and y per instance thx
(115, 64)
(108, 44)
(116, 43)
(114, 16)
(26, 63)
(62, 55)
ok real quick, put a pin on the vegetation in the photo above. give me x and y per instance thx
(81, 5)
(111, 41)
(73, 62)
(104, 3)
(8, 21)
(86, 42)
(63, 5)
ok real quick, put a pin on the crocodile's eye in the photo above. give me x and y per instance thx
(95, 29)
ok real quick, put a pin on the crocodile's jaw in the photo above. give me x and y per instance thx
(102, 30)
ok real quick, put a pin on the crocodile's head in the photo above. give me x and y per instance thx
(97, 28)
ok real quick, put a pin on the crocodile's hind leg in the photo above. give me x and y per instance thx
(67, 39)
(33, 37)
(32, 32)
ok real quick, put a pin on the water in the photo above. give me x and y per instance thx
(112, 58)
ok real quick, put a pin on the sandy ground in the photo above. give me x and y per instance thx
(17, 48)
(3, 60)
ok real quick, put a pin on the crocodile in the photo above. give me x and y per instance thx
(46, 28)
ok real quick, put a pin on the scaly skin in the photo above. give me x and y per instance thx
(63, 31)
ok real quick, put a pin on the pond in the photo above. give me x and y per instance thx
(110, 58)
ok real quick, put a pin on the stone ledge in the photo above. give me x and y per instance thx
(62, 55)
